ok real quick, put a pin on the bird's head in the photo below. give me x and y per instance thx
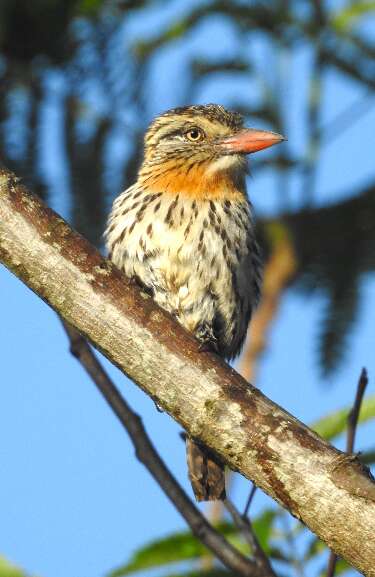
(200, 151)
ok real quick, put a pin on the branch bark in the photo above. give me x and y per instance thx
(147, 454)
(330, 492)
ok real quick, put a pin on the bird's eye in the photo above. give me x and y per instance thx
(194, 134)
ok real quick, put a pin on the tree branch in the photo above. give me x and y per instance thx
(249, 500)
(244, 526)
(331, 493)
(147, 454)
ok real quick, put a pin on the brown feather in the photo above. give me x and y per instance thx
(206, 472)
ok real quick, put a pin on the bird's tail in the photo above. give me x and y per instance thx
(206, 472)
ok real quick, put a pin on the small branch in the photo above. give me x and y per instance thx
(147, 454)
(295, 559)
(244, 525)
(249, 500)
(350, 440)
(331, 567)
(354, 413)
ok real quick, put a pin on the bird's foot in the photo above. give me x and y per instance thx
(207, 339)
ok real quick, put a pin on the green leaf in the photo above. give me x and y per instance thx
(263, 528)
(89, 7)
(336, 423)
(184, 546)
(347, 17)
(368, 457)
(214, 572)
(341, 568)
(174, 548)
(317, 547)
(7, 569)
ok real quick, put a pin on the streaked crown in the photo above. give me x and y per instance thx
(200, 149)
(190, 130)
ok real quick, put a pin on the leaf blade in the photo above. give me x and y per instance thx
(335, 423)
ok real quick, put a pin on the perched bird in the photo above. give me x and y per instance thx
(185, 232)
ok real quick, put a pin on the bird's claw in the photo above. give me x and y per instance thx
(207, 339)
(206, 347)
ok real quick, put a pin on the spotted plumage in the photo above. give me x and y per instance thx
(185, 232)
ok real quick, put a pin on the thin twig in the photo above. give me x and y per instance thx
(353, 417)
(244, 525)
(295, 559)
(147, 454)
(331, 567)
(249, 500)
(354, 413)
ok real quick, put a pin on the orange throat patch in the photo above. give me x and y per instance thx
(196, 182)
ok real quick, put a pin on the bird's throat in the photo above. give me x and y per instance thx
(195, 181)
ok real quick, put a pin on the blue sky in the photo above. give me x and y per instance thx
(74, 500)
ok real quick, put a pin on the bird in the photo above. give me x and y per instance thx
(184, 231)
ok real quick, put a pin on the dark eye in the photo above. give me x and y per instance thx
(195, 134)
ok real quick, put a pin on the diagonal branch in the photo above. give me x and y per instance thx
(332, 494)
(147, 454)
(244, 525)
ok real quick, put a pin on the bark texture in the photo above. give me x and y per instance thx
(331, 492)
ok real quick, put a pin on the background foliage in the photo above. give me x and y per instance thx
(77, 88)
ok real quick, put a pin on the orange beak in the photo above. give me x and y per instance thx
(251, 140)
